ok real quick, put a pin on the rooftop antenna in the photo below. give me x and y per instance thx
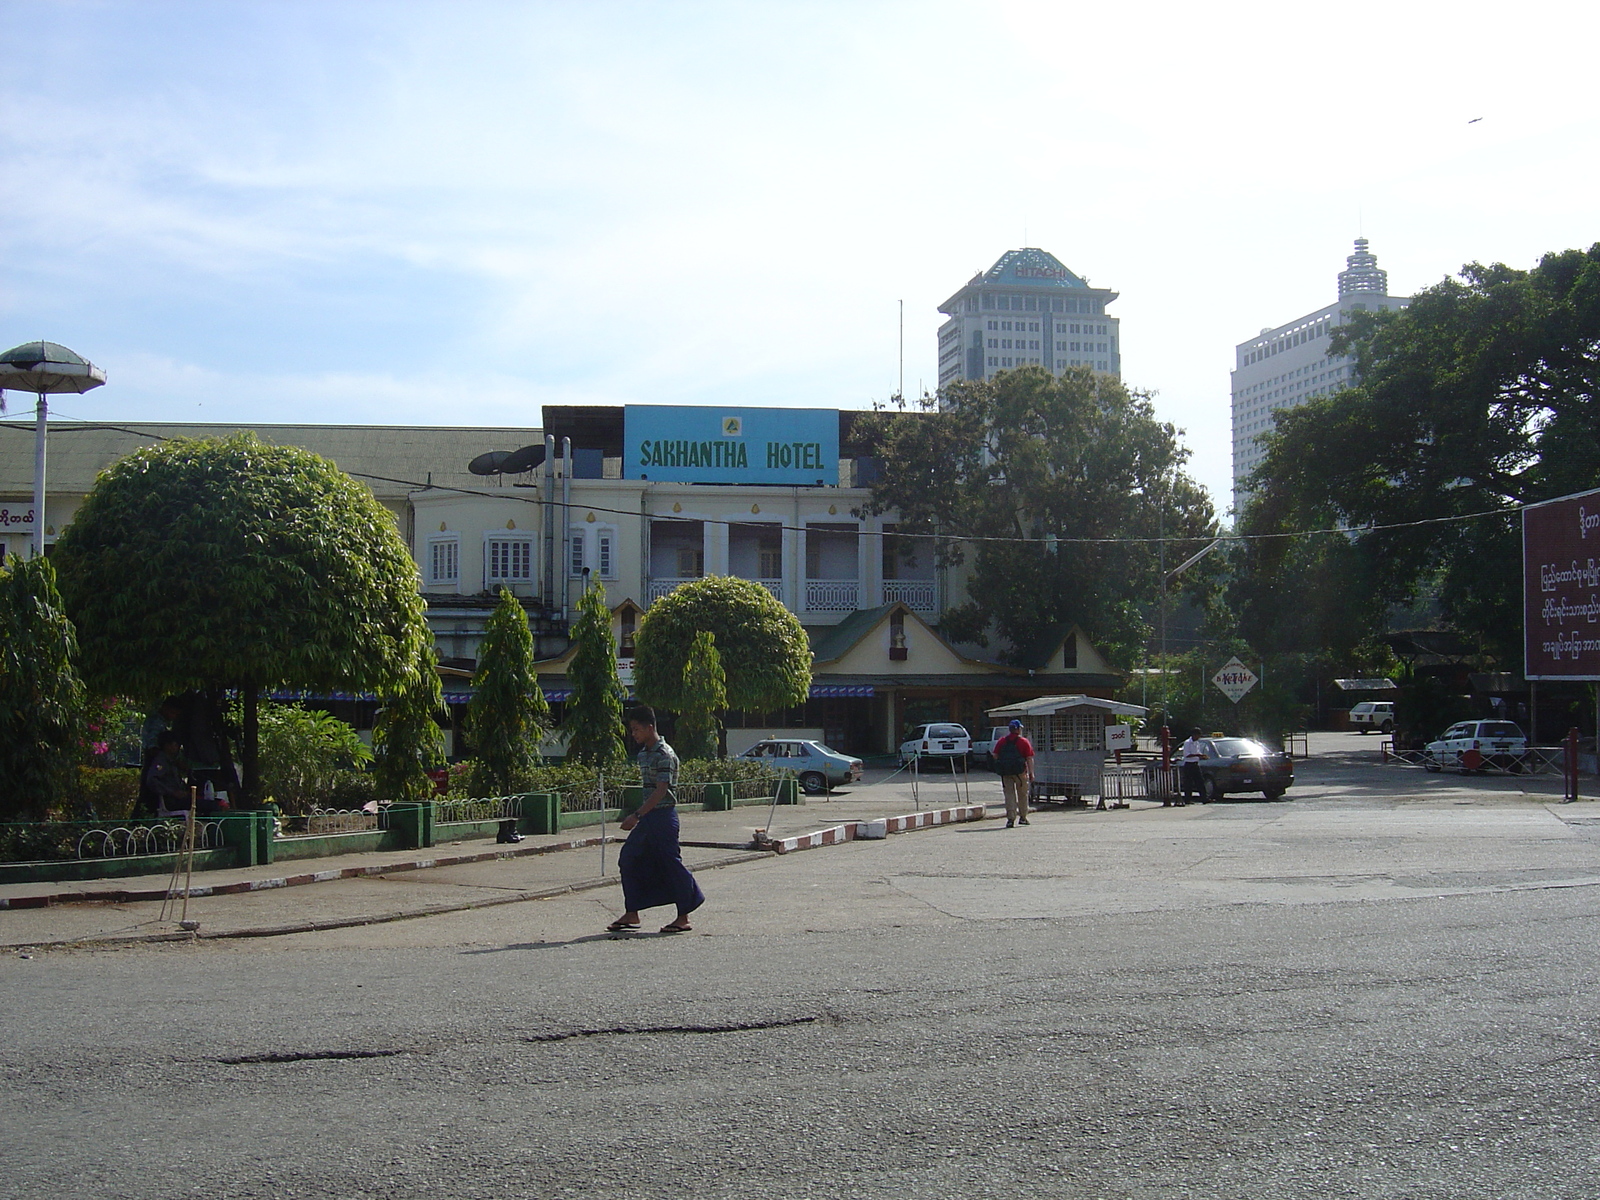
(901, 390)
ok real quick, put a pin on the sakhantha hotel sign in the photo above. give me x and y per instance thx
(1561, 587)
(791, 446)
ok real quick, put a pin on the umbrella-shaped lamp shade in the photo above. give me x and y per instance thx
(41, 367)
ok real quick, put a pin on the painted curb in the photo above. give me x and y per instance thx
(871, 830)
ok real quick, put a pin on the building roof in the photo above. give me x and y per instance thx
(1032, 267)
(1044, 706)
(831, 642)
(1363, 276)
(391, 459)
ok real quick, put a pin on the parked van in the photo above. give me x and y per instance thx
(1373, 714)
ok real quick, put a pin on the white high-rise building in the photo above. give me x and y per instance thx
(1027, 310)
(1288, 365)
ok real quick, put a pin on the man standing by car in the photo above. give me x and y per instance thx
(1013, 761)
(1189, 756)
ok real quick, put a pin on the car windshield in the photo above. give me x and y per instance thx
(1499, 729)
(1238, 748)
(946, 731)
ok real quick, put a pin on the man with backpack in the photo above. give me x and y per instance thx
(1013, 761)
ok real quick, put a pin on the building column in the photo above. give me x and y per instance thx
(714, 535)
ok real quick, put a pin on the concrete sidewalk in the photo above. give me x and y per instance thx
(369, 888)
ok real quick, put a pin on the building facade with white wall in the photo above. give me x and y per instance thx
(1285, 366)
(641, 499)
(1027, 310)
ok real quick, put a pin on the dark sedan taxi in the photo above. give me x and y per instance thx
(1235, 764)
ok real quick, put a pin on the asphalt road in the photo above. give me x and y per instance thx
(1383, 989)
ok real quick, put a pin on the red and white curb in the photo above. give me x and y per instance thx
(868, 830)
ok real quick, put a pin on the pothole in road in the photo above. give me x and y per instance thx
(631, 1030)
(294, 1056)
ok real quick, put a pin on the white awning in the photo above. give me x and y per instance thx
(1045, 706)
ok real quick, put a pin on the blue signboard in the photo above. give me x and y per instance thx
(795, 446)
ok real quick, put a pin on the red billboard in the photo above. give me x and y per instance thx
(1561, 587)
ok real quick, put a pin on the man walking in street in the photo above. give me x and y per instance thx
(651, 862)
(1013, 761)
(1189, 756)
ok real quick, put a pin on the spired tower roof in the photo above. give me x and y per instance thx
(1031, 267)
(1363, 276)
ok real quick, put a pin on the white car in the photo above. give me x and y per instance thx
(817, 766)
(1473, 745)
(1373, 714)
(939, 740)
(983, 749)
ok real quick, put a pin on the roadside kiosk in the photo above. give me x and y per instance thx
(1069, 747)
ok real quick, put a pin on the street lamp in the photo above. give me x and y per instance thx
(44, 368)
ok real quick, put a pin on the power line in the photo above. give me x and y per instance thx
(1056, 539)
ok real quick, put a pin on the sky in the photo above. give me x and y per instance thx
(453, 213)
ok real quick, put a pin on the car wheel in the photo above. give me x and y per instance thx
(1272, 793)
(814, 782)
(1209, 791)
(1363, 731)
(1386, 727)
(1431, 763)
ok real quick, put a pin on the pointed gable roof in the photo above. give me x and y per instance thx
(849, 648)
(1045, 654)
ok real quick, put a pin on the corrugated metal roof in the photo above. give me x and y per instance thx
(81, 450)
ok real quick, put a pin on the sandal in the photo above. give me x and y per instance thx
(676, 928)
(622, 926)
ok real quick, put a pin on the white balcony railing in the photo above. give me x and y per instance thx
(656, 588)
(832, 595)
(919, 595)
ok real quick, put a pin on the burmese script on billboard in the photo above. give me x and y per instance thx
(15, 517)
(1561, 587)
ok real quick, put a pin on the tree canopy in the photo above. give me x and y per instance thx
(1478, 398)
(406, 739)
(195, 562)
(41, 696)
(507, 716)
(1047, 463)
(593, 717)
(201, 563)
(765, 654)
(704, 696)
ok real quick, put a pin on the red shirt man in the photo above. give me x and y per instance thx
(1013, 760)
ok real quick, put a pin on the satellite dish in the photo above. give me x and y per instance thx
(489, 462)
(522, 460)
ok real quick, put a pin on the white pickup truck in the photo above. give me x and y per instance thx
(983, 750)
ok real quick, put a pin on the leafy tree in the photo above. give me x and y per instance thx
(1481, 396)
(406, 739)
(303, 755)
(1045, 464)
(705, 694)
(507, 716)
(42, 699)
(764, 650)
(593, 720)
(200, 563)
